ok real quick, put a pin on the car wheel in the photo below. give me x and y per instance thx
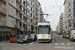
(18, 43)
(27, 41)
(70, 39)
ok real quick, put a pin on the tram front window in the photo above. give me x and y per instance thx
(43, 30)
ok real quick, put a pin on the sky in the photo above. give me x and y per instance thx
(54, 8)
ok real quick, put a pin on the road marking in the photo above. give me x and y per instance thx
(68, 43)
(30, 43)
(62, 43)
(18, 44)
(24, 44)
(56, 43)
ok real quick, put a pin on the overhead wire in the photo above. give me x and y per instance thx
(58, 6)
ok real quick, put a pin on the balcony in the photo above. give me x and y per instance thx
(17, 8)
(22, 29)
(17, 17)
(2, 23)
(3, 1)
(2, 11)
(22, 20)
(17, 26)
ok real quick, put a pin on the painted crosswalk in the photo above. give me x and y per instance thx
(63, 44)
(25, 44)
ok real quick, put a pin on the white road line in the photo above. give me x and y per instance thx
(24, 44)
(18, 44)
(62, 44)
(30, 43)
(57, 39)
(68, 43)
(56, 43)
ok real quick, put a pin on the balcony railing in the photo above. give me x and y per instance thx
(17, 17)
(17, 26)
(2, 23)
(22, 20)
(2, 10)
(22, 29)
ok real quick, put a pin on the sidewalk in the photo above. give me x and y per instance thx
(4, 41)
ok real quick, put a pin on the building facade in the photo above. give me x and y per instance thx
(58, 28)
(69, 14)
(61, 23)
(18, 17)
(4, 19)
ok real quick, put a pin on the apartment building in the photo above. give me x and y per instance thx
(69, 14)
(64, 22)
(66, 14)
(61, 23)
(3, 19)
(18, 17)
(13, 16)
(58, 28)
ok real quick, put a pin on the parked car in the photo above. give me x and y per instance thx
(72, 35)
(67, 35)
(34, 37)
(59, 33)
(64, 35)
(23, 39)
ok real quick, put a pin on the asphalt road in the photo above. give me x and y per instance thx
(58, 43)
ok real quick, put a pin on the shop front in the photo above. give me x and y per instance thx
(4, 33)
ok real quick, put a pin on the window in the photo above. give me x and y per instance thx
(29, 1)
(20, 16)
(21, 1)
(25, 4)
(24, 25)
(28, 7)
(21, 8)
(20, 24)
(25, 11)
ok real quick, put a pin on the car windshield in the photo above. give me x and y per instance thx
(17, 36)
(21, 36)
(26, 37)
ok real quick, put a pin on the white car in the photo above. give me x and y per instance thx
(72, 35)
